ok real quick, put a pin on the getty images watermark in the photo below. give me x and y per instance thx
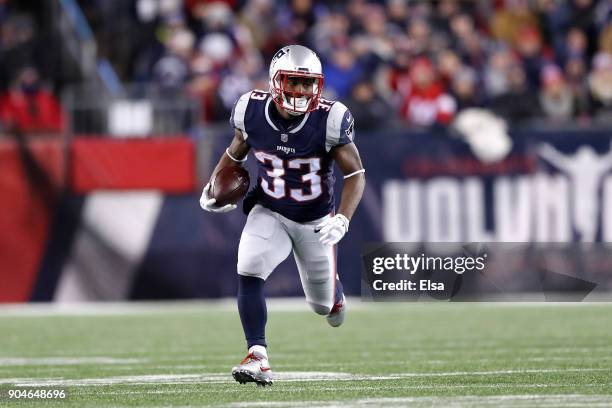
(422, 263)
(492, 271)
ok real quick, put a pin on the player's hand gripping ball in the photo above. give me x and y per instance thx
(227, 189)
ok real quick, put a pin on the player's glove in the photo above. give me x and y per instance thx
(332, 229)
(209, 204)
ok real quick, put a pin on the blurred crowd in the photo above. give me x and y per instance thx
(29, 69)
(418, 62)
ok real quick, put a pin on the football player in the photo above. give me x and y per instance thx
(296, 136)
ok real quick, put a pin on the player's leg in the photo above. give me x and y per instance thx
(317, 267)
(263, 245)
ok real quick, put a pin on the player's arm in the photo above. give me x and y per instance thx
(348, 160)
(234, 155)
(339, 143)
(347, 157)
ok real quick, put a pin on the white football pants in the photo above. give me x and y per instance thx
(268, 238)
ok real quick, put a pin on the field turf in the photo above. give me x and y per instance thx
(387, 355)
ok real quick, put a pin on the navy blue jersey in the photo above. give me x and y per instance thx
(295, 168)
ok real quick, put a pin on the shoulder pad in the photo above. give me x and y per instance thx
(340, 126)
(239, 112)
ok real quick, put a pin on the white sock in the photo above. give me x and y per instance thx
(261, 350)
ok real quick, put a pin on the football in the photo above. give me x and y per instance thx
(230, 185)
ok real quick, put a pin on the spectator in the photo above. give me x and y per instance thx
(368, 106)
(445, 11)
(18, 47)
(377, 34)
(341, 73)
(206, 11)
(576, 78)
(293, 22)
(398, 77)
(496, 72)
(520, 102)
(603, 14)
(600, 85)
(28, 107)
(510, 19)
(356, 13)
(605, 39)
(210, 66)
(172, 69)
(398, 13)
(556, 98)
(552, 16)
(530, 49)
(419, 35)
(239, 80)
(209, 46)
(462, 27)
(582, 15)
(203, 85)
(449, 64)
(216, 17)
(258, 18)
(473, 50)
(426, 103)
(303, 18)
(329, 33)
(465, 90)
(576, 45)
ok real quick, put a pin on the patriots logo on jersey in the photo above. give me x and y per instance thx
(285, 149)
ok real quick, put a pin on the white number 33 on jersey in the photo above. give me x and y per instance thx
(276, 186)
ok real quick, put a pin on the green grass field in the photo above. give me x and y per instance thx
(388, 355)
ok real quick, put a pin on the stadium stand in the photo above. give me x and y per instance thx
(447, 54)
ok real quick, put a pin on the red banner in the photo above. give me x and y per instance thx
(166, 164)
(30, 177)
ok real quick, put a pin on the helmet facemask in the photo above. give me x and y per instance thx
(296, 101)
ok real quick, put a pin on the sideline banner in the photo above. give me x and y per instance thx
(554, 186)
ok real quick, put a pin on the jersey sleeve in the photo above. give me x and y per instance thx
(340, 126)
(237, 118)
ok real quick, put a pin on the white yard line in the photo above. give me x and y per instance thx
(531, 400)
(503, 372)
(229, 304)
(461, 401)
(358, 387)
(287, 376)
(58, 361)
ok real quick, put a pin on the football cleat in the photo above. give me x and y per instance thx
(336, 317)
(254, 368)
